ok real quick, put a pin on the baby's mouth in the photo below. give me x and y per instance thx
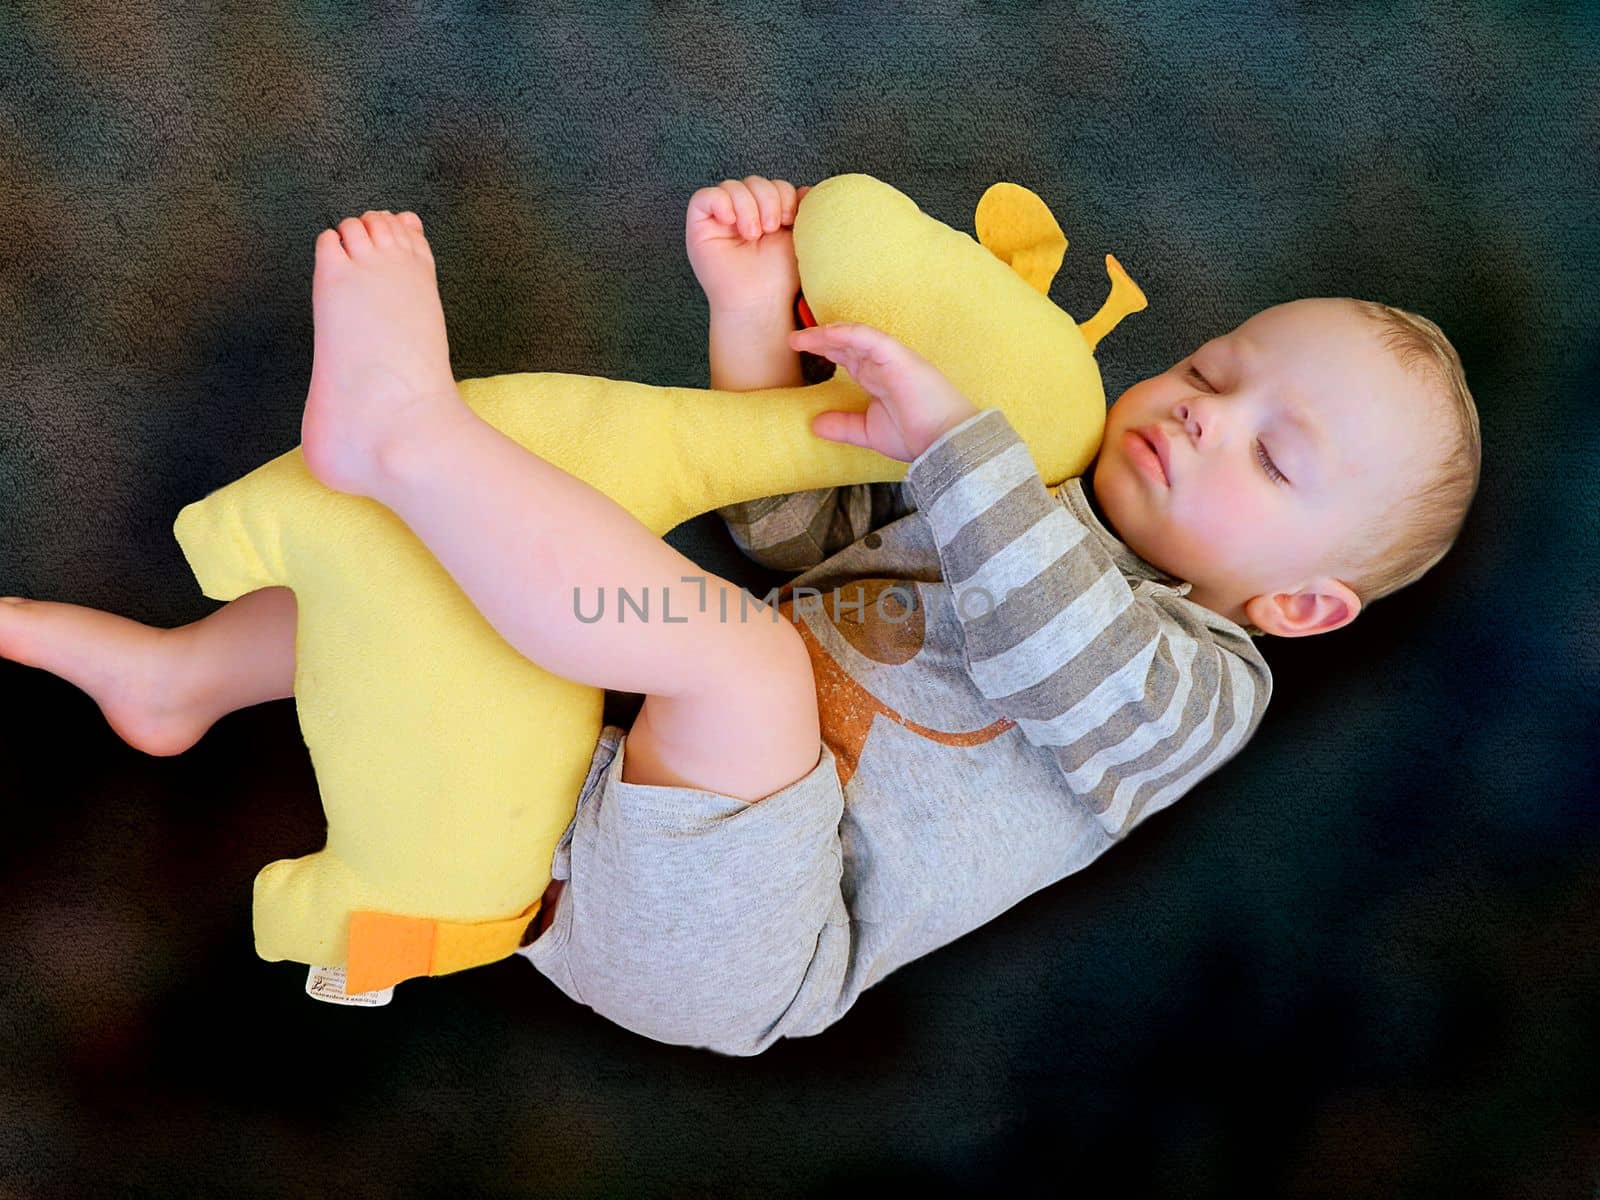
(1145, 457)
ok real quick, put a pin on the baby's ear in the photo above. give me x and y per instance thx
(1320, 607)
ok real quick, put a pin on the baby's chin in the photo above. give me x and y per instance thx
(1139, 530)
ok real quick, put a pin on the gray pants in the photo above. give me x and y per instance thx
(698, 919)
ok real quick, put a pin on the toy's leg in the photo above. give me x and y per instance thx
(730, 701)
(161, 689)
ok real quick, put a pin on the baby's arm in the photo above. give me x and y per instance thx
(1137, 693)
(798, 530)
(749, 351)
(739, 241)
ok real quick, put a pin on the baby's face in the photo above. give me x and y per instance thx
(1283, 440)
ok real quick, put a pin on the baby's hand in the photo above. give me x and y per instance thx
(741, 246)
(913, 403)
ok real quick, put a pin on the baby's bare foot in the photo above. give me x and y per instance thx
(135, 673)
(380, 370)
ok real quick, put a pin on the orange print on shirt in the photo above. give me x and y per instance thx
(845, 708)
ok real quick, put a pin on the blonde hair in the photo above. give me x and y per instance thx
(1405, 543)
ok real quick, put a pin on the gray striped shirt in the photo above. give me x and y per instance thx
(1007, 688)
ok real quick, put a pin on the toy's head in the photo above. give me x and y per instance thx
(978, 309)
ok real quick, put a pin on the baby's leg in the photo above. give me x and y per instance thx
(730, 701)
(730, 704)
(161, 689)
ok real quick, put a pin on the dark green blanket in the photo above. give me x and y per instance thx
(1360, 960)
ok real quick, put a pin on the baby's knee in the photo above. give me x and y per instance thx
(775, 698)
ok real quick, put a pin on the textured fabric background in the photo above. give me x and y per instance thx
(1358, 961)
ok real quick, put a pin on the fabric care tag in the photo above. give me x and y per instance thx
(327, 983)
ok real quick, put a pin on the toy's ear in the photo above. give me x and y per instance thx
(1017, 227)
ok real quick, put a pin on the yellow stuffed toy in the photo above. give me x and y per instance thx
(449, 765)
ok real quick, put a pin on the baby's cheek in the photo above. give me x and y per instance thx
(1215, 530)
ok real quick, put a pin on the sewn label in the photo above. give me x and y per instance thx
(327, 983)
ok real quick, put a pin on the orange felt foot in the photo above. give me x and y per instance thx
(386, 949)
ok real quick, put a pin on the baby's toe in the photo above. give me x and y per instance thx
(382, 228)
(410, 226)
(355, 237)
(330, 250)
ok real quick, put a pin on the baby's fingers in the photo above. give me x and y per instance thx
(747, 218)
(769, 204)
(848, 427)
(789, 200)
(713, 202)
(838, 339)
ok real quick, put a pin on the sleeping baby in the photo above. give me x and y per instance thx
(972, 688)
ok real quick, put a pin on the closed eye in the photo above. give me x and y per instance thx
(1262, 456)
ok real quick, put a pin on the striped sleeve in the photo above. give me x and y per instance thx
(1136, 692)
(798, 530)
